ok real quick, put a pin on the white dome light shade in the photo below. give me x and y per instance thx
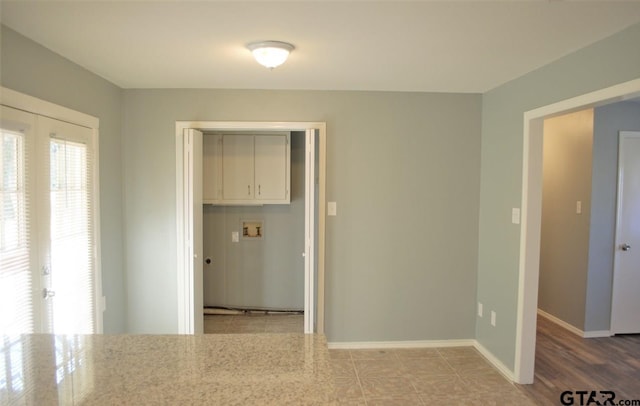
(270, 54)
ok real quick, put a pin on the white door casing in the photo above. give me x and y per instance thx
(531, 201)
(309, 232)
(625, 302)
(192, 172)
(187, 282)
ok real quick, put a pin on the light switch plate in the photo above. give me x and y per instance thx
(493, 318)
(332, 209)
(578, 207)
(235, 236)
(479, 309)
(515, 215)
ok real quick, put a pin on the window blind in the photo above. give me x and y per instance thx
(72, 265)
(16, 288)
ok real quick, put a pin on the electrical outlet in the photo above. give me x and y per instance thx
(493, 318)
(479, 309)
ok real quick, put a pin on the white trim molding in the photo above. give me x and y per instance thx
(573, 329)
(185, 295)
(363, 345)
(21, 101)
(569, 327)
(493, 360)
(531, 207)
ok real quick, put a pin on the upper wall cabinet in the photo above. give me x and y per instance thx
(244, 169)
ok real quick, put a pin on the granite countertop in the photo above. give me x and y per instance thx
(214, 369)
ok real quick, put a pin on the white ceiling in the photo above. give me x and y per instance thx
(440, 46)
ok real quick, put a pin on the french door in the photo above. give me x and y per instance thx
(47, 240)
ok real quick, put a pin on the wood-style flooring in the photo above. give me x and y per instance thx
(565, 361)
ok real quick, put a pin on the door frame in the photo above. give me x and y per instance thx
(531, 215)
(618, 237)
(34, 105)
(185, 285)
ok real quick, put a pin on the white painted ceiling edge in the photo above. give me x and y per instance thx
(436, 46)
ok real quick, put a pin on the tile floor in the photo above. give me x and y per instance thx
(254, 323)
(429, 376)
(416, 376)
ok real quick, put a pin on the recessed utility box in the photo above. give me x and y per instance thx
(252, 229)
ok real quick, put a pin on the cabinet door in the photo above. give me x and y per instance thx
(271, 167)
(212, 168)
(237, 167)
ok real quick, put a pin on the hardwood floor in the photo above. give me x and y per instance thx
(565, 361)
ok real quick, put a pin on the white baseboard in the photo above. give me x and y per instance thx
(574, 329)
(597, 334)
(497, 364)
(360, 345)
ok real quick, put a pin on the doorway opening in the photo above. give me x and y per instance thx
(189, 213)
(531, 214)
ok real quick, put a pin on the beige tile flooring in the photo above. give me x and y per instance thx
(416, 376)
(254, 323)
(429, 376)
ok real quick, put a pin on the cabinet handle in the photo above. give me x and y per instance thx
(259, 191)
(249, 190)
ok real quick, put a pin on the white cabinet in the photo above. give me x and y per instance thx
(242, 169)
(237, 167)
(272, 167)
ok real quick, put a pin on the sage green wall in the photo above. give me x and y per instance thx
(609, 120)
(265, 273)
(29, 68)
(608, 62)
(404, 169)
(564, 239)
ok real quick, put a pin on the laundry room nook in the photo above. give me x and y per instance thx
(253, 231)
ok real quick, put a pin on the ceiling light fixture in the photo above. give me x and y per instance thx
(270, 54)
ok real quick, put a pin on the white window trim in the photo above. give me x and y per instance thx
(30, 104)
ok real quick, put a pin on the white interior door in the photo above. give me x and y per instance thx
(193, 226)
(625, 306)
(309, 232)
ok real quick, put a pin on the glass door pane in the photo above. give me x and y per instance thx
(17, 314)
(71, 239)
(16, 282)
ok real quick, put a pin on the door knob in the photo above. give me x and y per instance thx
(47, 293)
(625, 247)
